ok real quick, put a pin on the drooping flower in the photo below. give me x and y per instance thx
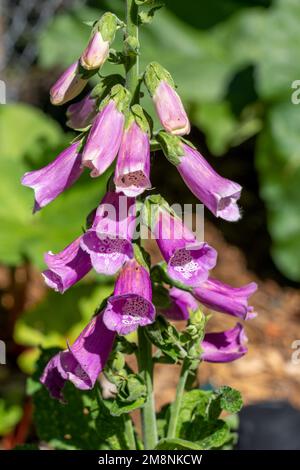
(53, 179)
(189, 260)
(131, 305)
(68, 86)
(82, 362)
(132, 174)
(81, 114)
(108, 241)
(225, 346)
(167, 102)
(105, 136)
(67, 267)
(182, 303)
(218, 194)
(96, 52)
(227, 299)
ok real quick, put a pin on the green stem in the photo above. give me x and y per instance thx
(148, 411)
(132, 60)
(175, 407)
(129, 432)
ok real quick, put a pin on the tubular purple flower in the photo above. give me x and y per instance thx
(104, 139)
(68, 86)
(132, 174)
(170, 110)
(53, 179)
(108, 241)
(218, 194)
(82, 362)
(225, 346)
(96, 52)
(81, 114)
(181, 304)
(167, 102)
(67, 267)
(226, 299)
(131, 305)
(189, 261)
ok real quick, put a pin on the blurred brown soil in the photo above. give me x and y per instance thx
(267, 371)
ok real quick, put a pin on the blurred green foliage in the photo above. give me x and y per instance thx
(234, 62)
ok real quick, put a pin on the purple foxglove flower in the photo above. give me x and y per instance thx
(96, 52)
(53, 179)
(104, 139)
(218, 194)
(225, 346)
(182, 303)
(188, 260)
(81, 114)
(82, 362)
(167, 102)
(170, 110)
(67, 267)
(131, 305)
(132, 174)
(68, 86)
(108, 241)
(226, 299)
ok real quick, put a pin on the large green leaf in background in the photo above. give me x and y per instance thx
(207, 47)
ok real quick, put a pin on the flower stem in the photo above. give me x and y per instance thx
(129, 432)
(148, 411)
(132, 60)
(175, 407)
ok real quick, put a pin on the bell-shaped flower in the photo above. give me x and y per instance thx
(167, 102)
(81, 114)
(68, 86)
(132, 173)
(218, 194)
(67, 267)
(108, 241)
(53, 179)
(82, 362)
(105, 135)
(226, 299)
(189, 260)
(182, 303)
(224, 346)
(131, 304)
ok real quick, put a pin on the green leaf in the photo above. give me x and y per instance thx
(10, 415)
(177, 444)
(225, 398)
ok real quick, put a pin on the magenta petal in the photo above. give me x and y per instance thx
(170, 110)
(132, 174)
(182, 303)
(81, 114)
(53, 179)
(191, 265)
(52, 379)
(124, 313)
(107, 254)
(227, 299)
(104, 139)
(188, 260)
(219, 194)
(84, 360)
(67, 267)
(225, 346)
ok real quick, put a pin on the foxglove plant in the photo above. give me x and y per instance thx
(146, 300)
